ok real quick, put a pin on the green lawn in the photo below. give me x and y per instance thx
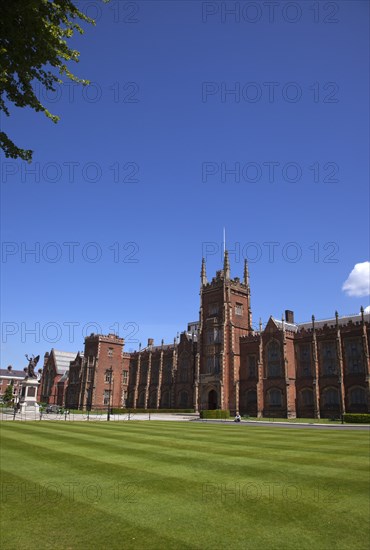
(294, 420)
(169, 485)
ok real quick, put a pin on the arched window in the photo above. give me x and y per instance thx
(275, 397)
(213, 364)
(183, 401)
(331, 397)
(141, 400)
(329, 358)
(133, 374)
(213, 335)
(273, 359)
(251, 397)
(165, 401)
(357, 396)
(307, 397)
(183, 373)
(354, 355)
(154, 371)
(143, 372)
(252, 366)
(304, 358)
(167, 372)
(153, 400)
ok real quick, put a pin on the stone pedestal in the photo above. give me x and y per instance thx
(28, 399)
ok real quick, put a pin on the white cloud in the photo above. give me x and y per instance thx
(367, 309)
(358, 282)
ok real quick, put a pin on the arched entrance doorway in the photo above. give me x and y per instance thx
(212, 400)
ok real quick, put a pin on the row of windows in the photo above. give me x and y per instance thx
(9, 383)
(166, 373)
(108, 378)
(354, 359)
(213, 309)
(328, 357)
(183, 375)
(183, 400)
(329, 397)
(184, 371)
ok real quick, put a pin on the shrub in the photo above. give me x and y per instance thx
(217, 413)
(356, 418)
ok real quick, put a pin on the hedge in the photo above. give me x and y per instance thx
(356, 418)
(147, 411)
(218, 413)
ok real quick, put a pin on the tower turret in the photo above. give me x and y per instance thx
(246, 273)
(225, 316)
(226, 266)
(203, 275)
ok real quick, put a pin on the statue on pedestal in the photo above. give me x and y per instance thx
(28, 398)
(32, 362)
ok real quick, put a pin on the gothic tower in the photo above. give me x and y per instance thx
(225, 315)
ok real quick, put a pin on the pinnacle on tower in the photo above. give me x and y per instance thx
(226, 265)
(203, 275)
(246, 273)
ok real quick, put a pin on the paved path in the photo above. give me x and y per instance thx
(177, 418)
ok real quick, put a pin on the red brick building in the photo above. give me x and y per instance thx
(163, 377)
(284, 370)
(10, 376)
(56, 365)
(99, 377)
(314, 369)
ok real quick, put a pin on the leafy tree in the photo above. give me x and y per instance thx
(8, 395)
(33, 47)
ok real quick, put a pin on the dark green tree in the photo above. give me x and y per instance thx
(8, 395)
(33, 47)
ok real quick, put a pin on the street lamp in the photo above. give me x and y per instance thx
(110, 392)
(340, 397)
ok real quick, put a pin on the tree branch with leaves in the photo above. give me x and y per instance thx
(33, 47)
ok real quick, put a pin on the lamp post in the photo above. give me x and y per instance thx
(340, 397)
(110, 392)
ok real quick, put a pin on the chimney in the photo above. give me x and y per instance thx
(289, 316)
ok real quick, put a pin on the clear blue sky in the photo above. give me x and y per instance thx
(142, 157)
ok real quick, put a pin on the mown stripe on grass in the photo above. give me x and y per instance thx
(171, 494)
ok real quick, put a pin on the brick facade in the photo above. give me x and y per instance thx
(163, 376)
(99, 377)
(56, 366)
(14, 378)
(315, 369)
(307, 370)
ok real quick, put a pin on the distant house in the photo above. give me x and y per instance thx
(56, 365)
(10, 376)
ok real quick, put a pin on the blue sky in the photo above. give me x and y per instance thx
(198, 117)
